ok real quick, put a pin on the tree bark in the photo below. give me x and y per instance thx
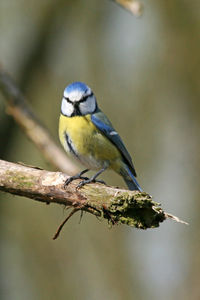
(118, 206)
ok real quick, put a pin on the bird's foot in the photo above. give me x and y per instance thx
(77, 176)
(88, 180)
(92, 179)
(100, 181)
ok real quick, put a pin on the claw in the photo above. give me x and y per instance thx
(100, 181)
(70, 179)
(85, 179)
(77, 176)
(83, 182)
(88, 180)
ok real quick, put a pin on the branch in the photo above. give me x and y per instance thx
(118, 206)
(24, 116)
(133, 6)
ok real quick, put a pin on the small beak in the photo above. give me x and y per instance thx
(76, 109)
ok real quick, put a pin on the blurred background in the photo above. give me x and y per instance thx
(145, 75)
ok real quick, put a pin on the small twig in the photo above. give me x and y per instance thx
(64, 222)
(176, 219)
(81, 216)
(133, 6)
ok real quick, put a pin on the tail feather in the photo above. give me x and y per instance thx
(131, 181)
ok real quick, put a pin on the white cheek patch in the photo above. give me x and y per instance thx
(88, 106)
(67, 109)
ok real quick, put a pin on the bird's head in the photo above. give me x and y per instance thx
(78, 100)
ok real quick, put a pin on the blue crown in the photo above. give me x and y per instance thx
(78, 86)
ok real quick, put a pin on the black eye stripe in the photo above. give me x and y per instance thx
(85, 97)
(69, 101)
(80, 101)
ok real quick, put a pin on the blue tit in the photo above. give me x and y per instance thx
(87, 134)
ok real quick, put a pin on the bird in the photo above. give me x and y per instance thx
(87, 134)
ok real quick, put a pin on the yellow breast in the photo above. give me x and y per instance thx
(88, 142)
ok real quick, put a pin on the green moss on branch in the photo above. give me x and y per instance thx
(131, 208)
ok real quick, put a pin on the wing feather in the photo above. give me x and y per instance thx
(104, 125)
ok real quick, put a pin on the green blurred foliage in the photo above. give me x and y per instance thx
(145, 75)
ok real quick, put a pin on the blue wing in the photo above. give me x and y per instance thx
(104, 125)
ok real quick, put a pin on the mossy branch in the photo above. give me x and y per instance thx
(118, 206)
